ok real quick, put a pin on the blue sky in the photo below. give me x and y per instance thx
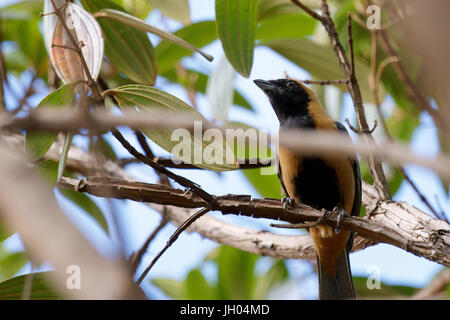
(397, 266)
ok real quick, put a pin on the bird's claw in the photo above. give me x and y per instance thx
(287, 201)
(340, 214)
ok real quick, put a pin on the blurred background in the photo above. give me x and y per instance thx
(288, 41)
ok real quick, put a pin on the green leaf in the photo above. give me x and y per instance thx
(321, 62)
(271, 8)
(197, 288)
(385, 290)
(129, 49)
(12, 289)
(37, 143)
(293, 25)
(105, 148)
(174, 9)
(48, 169)
(267, 186)
(11, 264)
(198, 81)
(198, 34)
(264, 180)
(143, 26)
(139, 8)
(236, 24)
(64, 153)
(21, 25)
(170, 287)
(274, 276)
(236, 278)
(4, 233)
(88, 205)
(150, 99)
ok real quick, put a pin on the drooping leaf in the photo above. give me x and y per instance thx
(129, 49)
(174, 9)
(48, 170)
(236, 24)
(143, 26)
(192, 150)
(170, 287)
(105, 148)
(37, 143)
(219, 89)
(236, 277)
(88, 205)
(11, 263)
(275, 275)
(198, 34)
(198, 288)
(294, 25)
(12, 289)
(264, 180)
(321, 62)
(268, 186)
(64, 154)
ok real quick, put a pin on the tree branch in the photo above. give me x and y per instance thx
(399, 227)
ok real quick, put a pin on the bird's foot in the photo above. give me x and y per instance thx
(340, 214)
(287, 201)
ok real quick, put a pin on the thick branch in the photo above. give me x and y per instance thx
(399, 226)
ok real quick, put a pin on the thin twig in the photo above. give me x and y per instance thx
(309, 11)
(172, 239)
(135, 259)
(324, 82)
(355, 92)
(350, 44)
(375, 77)
(179, 179)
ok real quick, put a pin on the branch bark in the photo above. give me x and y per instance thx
(400, 224)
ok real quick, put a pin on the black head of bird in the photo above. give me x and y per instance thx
(287, 97)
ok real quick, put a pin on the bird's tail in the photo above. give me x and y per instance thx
(340, 287)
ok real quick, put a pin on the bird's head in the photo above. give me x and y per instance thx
(288, 97)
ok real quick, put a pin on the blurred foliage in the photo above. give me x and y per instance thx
(235, 278)
(132, 60)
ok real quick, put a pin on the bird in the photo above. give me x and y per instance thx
(324, 182)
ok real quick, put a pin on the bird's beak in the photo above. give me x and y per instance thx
(266, 86)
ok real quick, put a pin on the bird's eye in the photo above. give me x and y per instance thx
(291, 84)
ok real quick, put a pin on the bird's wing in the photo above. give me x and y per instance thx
(280, 177)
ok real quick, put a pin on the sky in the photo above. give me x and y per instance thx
(396, 266)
